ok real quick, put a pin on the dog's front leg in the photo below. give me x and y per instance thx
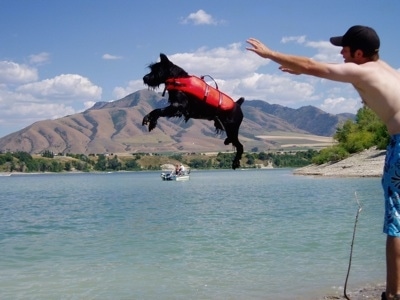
(152, 117)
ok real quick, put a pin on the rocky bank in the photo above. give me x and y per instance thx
(368, 163)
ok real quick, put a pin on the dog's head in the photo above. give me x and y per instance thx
(161, 71)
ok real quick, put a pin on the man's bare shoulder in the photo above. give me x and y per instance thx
(378, 64)
(372, 71)
(345, 72)
(381, 69)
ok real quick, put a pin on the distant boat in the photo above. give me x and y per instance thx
(174, 177)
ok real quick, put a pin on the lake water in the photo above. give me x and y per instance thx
(255, 234)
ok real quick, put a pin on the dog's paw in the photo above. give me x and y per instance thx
(235, 164)
(227, 141)
(149, 121)
(145, 121)
(152, 125)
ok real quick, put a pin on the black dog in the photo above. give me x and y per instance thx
(191, 97)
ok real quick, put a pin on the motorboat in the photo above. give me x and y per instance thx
(175, 177)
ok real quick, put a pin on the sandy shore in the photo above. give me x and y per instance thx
(369, 292)
(368, 163)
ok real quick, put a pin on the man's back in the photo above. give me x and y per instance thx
(379, 87)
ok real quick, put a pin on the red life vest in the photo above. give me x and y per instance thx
(200, 89)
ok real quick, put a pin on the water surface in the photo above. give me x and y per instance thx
(255, 234)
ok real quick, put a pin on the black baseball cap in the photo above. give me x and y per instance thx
(359, 37)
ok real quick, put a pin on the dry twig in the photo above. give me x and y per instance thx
(352, 244)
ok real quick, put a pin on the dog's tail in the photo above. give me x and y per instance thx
(240, 101)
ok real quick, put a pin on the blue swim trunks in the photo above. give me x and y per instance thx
(391, 187)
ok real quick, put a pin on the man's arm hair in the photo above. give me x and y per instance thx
(346, 72)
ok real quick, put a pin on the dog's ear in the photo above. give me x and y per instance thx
(163, 58)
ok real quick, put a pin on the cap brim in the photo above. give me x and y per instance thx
(337, 40)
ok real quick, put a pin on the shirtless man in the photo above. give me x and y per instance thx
(379, 87)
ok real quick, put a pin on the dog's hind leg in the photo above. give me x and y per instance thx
(238, 156)
(232, 133)
(239, 151)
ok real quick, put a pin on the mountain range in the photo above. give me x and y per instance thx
(116, 127)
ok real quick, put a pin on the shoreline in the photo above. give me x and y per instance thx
(370, 292)
(368, 163)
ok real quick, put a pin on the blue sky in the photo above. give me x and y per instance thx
(60, 57)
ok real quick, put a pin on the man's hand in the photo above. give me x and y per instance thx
(287, 70)
(295, 62)
(258, 48)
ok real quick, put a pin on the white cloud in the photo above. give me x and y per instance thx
(279, 89)
(325, 51)
(39, 111)
(200, 18)
(64, 87)
(39, 58)
(22, 105)
(133, 86)
(111, 57)
(13, 73)
(89, 104)
(297, 39)
(18, 110)
(340, 105)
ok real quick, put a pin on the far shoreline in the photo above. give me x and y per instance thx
(368, 163)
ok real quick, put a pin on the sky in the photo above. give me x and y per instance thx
(59, 57)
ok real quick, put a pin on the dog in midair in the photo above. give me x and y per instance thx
(191, 97)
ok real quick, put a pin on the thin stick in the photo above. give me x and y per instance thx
(352, 244)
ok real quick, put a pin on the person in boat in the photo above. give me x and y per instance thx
(176, 171)
(378, 85)
(181, 170)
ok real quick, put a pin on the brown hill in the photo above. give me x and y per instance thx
(116, 127)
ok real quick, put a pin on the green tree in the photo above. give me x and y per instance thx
(354, 136)
(67, 166)
(330, 154)
(48, 154)
(250, 159)
(114, 164)
(131, 164)
(177, 157)
(101, 164)
(198, 163)
(22, 156)
(55, 166)
(263, 156)
(224, 160)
